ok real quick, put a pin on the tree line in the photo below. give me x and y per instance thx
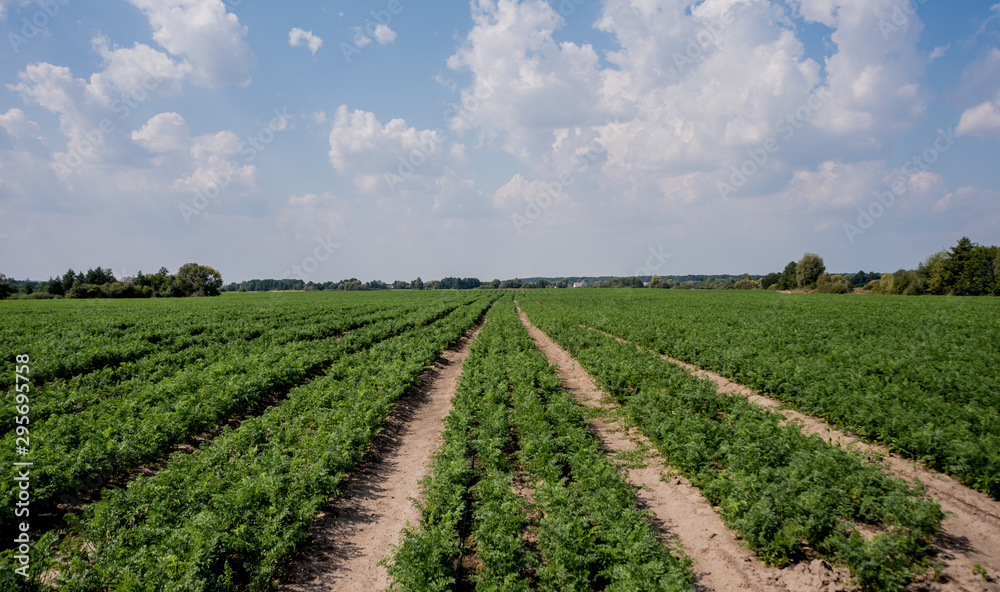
(191, 279)
(967, 269)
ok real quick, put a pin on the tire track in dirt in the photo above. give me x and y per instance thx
(722, 562)
(970, 533)
(355, 531)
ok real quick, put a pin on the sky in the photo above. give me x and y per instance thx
(390, 139)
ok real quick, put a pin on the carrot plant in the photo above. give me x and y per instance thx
(782, 491)
(513, 415)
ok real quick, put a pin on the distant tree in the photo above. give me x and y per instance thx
(970, 269)
(495, 283)
(827, 284)
(67, 279)
(99, 277)
(5, 287)
(196, 280)
(432, 285)
(418, 284)
(746, 283)
(377, 285)
(55, 287)
(808, 270)
(658, 282)
(788, 280)
(932, 274)
(399, 285)
(542, 283)
(625, 282)
(769, 280)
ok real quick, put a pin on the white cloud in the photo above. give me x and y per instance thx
(692, 89)
(981, 120)
(298, 37)
(980, 92)
(384, 35)
(166, 132)
(139, 70)
(362, 147)
(207, 36)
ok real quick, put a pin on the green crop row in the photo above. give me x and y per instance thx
(513, 417)
(227, 516)
(191, 354)
(71, 337)
(920, 375)
(783, 492)
(116, 435)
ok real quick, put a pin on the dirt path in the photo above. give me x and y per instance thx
(347, 540)
(722, 562)
(971, 529)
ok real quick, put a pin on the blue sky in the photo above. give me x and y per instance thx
(320, 139)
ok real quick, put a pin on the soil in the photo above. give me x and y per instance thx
(721, 560)
(358, 529)
(970, 533)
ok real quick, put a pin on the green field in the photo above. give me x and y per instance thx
(283, 393)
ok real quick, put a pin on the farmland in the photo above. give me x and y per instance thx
(196, 444)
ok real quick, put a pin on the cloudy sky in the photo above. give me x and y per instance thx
(386, 139)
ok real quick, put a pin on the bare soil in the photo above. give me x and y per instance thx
(355, 531)
(971, 530)
(722, 563)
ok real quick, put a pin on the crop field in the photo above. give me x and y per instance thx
(274, 441)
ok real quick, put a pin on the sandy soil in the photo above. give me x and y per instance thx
(971, 530)
(722, 562)
(348, 539)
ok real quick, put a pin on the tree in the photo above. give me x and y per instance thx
(55, 287)
(99, 277)
(68, 278)
(658, 282)
(418, 284)
(769, 280)
(5, 288)
(746, 283)
(196, 280)
(808, 270)
(788, 279)
(399, 285)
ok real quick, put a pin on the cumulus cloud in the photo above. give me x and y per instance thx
(384, 35)
(979, 92)
(403, 165)
(205, 34)
(139, 70)
(376, 154)
(981, 120)
(690, 91)
(298, 37)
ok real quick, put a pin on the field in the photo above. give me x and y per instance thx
(552, 441)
